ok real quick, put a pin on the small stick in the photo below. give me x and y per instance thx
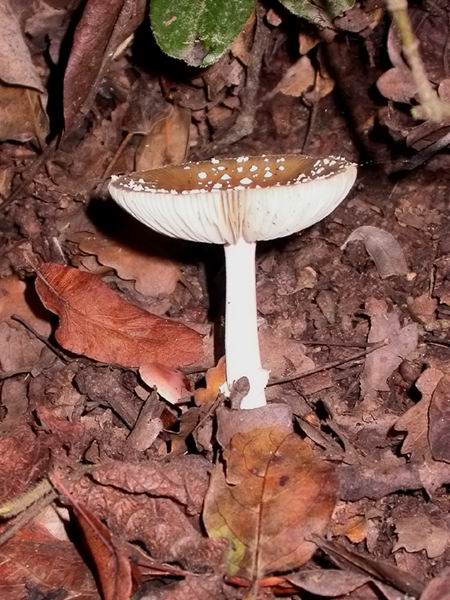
(28, 515)
(330, 365)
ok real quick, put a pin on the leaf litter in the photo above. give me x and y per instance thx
(355, 337)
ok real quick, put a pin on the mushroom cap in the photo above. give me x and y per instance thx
(222, 200)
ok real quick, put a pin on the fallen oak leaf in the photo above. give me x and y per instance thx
(276, 494)
(98, 323)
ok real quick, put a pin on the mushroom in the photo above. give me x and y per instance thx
(236, 202)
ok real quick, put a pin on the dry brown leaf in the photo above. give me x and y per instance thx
(383, 248)
(439, 415)
(167, 142)
(16, 298)
(307, 42)
(438, 587)
(415, 420)
(108, 554)
(417, 533)
(397, 84)
(22, 117)
(329, 583)
(297, 79)
(19, 349)
(98, 323)
(35, 560)
(154, 276)
(215, 377)
(183, 479)
(444, 90)
(276, 494)
(380, 364)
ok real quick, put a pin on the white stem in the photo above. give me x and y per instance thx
(241, 330)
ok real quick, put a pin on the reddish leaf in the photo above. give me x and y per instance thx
(102, 28)
(276, 495)
(111, 561)
(35, 560)
(98, 323)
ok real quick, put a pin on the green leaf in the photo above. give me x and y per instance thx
(198, 31)
(320, 12)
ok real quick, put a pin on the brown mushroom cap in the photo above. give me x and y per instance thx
(222, 200)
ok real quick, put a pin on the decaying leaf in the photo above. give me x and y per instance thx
(98, 323)
(215, 377)
(417, 532)
(269, 469)
(438, 587)
(22, 100)
(22, 117)
(297, 79)
(415, 420)
(383, 248)
(167, 142)
(183, 479)
(439, 415)
(381, 363)
(108, 554)
(397, 84)
(35, 560)
(154, 276)
(329, 583)
(16, 298)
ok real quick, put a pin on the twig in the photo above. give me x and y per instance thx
(28, 515)
(431, 106)
(336, 344)
(330, 365)
(9, 374)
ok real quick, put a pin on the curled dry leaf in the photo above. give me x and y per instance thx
(383, 248)
(108, 554)
(380, 364)
(297, 79)
(417, 533)
(154, 276)
(275, 495)
(97, 322)
(215, 377)
(397, 84)
(167, 142)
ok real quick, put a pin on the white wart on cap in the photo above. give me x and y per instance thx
(237, 202)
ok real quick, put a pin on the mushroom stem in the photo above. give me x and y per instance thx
(241, 330)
